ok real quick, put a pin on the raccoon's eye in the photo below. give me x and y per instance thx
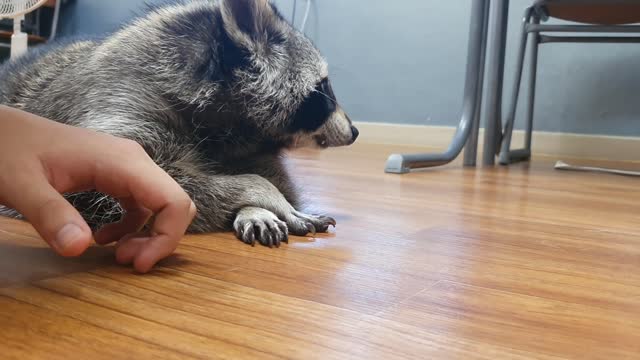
(316, 109)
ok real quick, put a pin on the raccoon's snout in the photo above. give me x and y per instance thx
(337, 131)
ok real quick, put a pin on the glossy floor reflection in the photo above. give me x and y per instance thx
(518, 262)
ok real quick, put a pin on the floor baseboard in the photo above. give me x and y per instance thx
(617, 148)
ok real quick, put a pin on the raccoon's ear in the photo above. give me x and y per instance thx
(248, 21)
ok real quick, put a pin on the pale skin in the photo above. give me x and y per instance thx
(41, 159)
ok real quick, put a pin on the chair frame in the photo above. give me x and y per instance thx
(532, 31)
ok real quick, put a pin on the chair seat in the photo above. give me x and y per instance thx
(595, 12)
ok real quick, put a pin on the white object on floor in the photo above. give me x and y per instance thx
(561, 165)
(16, 9)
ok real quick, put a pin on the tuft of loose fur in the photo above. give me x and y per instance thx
(213, 90)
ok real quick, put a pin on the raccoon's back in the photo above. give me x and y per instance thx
(46, 80)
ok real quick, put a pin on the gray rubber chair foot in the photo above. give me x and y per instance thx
(514, 156)
(396, 165)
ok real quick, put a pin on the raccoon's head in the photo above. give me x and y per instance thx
(282, 81)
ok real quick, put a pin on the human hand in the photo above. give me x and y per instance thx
(40, 159)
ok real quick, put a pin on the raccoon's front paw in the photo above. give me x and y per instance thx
(255, 224)
(302, 224)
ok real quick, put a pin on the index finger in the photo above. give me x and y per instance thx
(154, 189)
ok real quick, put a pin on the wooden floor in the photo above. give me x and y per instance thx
(511, 263)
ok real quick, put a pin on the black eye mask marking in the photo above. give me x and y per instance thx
(316, 109)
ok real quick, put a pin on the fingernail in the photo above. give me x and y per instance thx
(67, 236)
(193, 210)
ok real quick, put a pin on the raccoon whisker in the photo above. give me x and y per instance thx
(327, 96)
(196, 126)
(195, 147)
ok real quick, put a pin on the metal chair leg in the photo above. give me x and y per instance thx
(506, 154)
(495, 75)
(533, 75)
(471, 148)
(400, 164)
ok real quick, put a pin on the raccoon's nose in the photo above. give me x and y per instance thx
(355, 133)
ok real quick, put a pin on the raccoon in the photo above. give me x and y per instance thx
(214, 91)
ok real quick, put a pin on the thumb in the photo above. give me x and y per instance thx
(57, 222)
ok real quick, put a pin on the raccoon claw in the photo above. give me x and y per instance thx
(267, 238)
(302, 224)
(252, 239)
(259, 225)
(285, 232)
(311, 229)
(247, 235)
(325, 222)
